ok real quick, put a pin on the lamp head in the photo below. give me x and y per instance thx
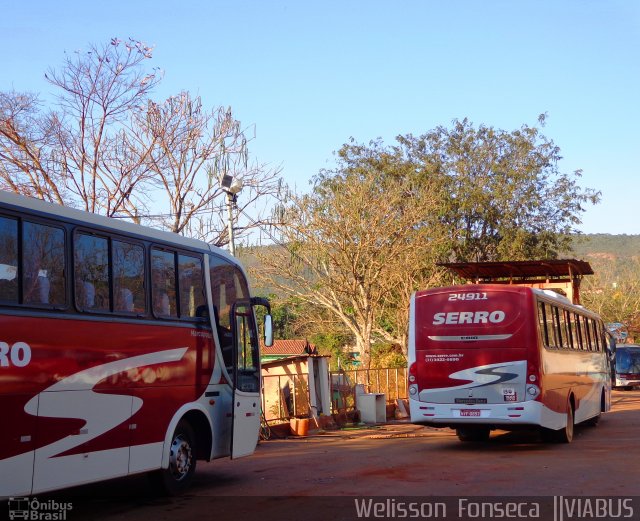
(231, 184)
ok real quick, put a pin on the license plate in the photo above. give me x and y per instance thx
(469, 412)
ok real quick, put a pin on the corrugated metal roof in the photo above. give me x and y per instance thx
(520, 270)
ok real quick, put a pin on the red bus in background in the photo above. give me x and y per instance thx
(123, 350)
(497, 356)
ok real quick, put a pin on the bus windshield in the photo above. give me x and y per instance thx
(459, 319)
(628, 360)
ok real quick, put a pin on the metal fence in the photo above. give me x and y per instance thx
(391, 382)
(287, 396)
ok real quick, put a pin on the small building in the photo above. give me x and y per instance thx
(295, 381)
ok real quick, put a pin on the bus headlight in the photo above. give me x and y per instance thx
(413, 390)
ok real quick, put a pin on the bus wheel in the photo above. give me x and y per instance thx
(596, 419)
(182, 462)
(473, 433)
(566, 435)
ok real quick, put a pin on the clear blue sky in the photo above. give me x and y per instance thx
(309, 75)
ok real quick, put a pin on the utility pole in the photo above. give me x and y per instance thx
(232, 247)
(232, 187)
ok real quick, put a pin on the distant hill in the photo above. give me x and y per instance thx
(603, 246)
(594, 248)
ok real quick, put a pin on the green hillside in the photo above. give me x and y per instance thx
(597, 249)
(605, 246)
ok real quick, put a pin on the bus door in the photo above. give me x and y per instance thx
(246, 381)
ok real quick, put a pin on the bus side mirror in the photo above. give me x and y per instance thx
(268, 331)
(268, 322)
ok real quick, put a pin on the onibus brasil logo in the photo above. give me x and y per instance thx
(35, 510)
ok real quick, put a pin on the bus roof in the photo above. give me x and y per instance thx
(545, 294)
(38, 206)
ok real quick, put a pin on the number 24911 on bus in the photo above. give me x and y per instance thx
(468, 296)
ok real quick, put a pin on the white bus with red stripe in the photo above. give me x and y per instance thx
(123, 350)
(496, 356)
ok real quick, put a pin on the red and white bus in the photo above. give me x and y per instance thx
(496, 356)
(123, 350)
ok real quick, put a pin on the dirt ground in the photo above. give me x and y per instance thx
(318, 477)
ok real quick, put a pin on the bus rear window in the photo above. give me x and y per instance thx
(463, 317)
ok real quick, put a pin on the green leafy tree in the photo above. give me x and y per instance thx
(507, 198)
(334, 344)
(284, 314)
(388, 356)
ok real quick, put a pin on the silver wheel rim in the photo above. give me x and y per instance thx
(180, 458)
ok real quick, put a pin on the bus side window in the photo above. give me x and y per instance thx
(542, 322)
(163, 283)
(558, 332)
(43, 263)
(575, 331)
(599, 338)
(128, 277)
(227, 287)
(8, 260)
(586, 328)
(91, 265)
(190, 285)
(567, 337)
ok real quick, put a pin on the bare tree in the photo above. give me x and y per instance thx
(100, 92)
(418, 272)
(108, 148)
(81, 154)
(28, 162)
(194, 148)
(348, 244)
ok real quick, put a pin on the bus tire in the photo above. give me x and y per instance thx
(565, 435)
(596, 419)
(474, 434)
(177, 477)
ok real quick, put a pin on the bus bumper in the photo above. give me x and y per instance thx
(503, 416)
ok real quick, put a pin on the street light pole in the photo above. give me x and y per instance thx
(232, 247)
(231, 187)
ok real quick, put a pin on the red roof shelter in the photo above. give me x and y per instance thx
(562, 274)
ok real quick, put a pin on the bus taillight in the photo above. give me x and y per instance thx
(413, 369)
(413, 386)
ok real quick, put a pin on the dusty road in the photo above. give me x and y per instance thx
(284, 476)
